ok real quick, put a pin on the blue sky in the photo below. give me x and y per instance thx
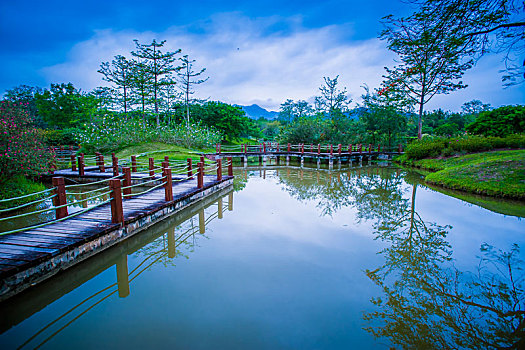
(255, 52)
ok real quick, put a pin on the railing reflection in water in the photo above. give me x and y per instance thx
(149, 247)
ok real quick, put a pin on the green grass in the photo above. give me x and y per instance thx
(173, 152)
(16, 187)
(499, 173)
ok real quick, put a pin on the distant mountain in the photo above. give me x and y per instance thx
(255, 112)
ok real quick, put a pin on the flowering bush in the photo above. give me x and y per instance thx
(22, 151)
(111, 132)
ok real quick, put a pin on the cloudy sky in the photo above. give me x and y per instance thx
(260, 52)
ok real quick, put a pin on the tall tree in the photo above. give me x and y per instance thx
(141, 79)
(332, 101)
(286, 111)
(432, 59)
(490, 25)
(187, 79)
(119, 73)
(161, 64)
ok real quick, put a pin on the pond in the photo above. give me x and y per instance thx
(296, 258)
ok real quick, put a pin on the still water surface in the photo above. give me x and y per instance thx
(294, 259)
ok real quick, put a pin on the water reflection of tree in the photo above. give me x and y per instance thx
(378, 194)
(428, 303)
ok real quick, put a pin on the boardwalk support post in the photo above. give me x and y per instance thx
(134, 164)
(115, 166)
(168, 185)
(117, 214)
(73, 162)
(127, 181)
(101, 163)
(200, 175)
(60, 197)
(230, 166)
(190, 169)
(219, 170)
(151, 168)
(81, 164)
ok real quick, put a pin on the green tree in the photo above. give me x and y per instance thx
(141, 79)
(432, 59)
(488, 25)
(160, 64)
(228, 119)
(499, 122)
(63, 106)
(187, 79)
(286, 111)
(332, 101)
(119, 72)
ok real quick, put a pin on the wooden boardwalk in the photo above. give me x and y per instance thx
(31, 256)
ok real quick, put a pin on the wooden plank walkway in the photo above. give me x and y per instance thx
(31, 256)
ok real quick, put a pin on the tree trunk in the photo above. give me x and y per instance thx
(419, 120)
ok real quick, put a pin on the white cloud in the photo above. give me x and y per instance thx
(249, 61)
(245, 64)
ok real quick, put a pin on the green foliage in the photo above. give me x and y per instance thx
(501, 122)
(112, 132)
(303, 130)
(63, 106)
(433, 147)
(55, 137)
(229, 120)
(22, 151)
(448, 129)
(17, 186)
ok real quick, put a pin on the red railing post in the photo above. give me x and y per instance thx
(289, 148)
(331, 149)
(101, 164)
(127, 181)
(134, 164)
(378, 148)
(168, 185)
(302, 148)
(369, 148)
(200, 175)
(117, 214)
(151, 168)
(230, 166)
(81, 164)
(339, 149)
(350, 149)
(165, 165)
(264, 147)
(278, 148)
(73, 162)
(60, 197)
(245, 149)
(115, 166)
(318, 149)
(360, 148)
(167, 160)
(203, 160)
(219, 169)
(190, 170)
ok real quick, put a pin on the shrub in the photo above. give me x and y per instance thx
(22, 151)
(60, 137)
(426, 148)
(111, 133)
(501, 122)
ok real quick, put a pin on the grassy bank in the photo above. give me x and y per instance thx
(173, 152)
(497, 173)
(18, 186)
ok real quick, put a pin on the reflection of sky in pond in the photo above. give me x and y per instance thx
(273, 273)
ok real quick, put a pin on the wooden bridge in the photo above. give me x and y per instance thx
(29, 255)
(329, 154)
